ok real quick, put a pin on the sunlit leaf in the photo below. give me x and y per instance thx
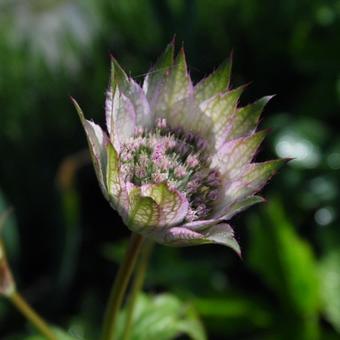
(162, 317)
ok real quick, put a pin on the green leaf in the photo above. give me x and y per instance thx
(60, 335)
(329, 268)
(233, 308)
(286, 263)
(162, 317)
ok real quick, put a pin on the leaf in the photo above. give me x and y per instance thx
(60, 335)
(329, 268)
(234, 308)
(162, 317)
(286, 263)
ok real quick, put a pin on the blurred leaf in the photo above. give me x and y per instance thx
(330, 287)
(232, 309)
(286, 263)
(60, 334)
(162, 317)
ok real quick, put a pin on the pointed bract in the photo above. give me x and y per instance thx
(154, 80)
(143, 212)
(233, 155)
(247, 118)
(217, 82)
(223, 234)
(180, 236)
(173, 206)
(176, 87)
(112, 174)
(220, 109)
(97, 141)
(251, 180)
(118, 76)
(242, 205)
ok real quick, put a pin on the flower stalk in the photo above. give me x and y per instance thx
(27, 311)
(120, 285)
(8, 290)
(137, 286)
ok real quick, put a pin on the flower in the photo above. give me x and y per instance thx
(176, 161)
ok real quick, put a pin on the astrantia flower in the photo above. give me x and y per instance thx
(176, 161)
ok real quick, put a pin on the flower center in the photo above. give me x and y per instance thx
(176, 157)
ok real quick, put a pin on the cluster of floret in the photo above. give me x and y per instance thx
(176, 157)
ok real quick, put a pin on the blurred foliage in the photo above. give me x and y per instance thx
(330, 273)
(64, 241)
(287, 266)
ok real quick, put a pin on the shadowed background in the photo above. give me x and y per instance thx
(64, 241)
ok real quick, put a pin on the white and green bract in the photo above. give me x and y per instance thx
(176, 160)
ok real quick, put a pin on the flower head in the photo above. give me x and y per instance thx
(176, 161)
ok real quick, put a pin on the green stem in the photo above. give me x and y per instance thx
(137, 286)
(20, 303)
(120, 285)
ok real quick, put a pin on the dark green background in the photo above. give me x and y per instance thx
(64, 240)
